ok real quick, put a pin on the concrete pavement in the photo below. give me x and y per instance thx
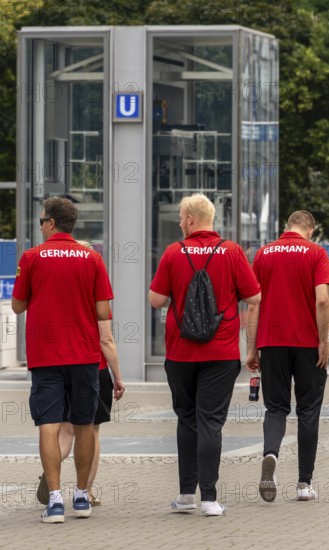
(136, 489)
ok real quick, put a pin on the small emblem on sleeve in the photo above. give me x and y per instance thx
(18, 271)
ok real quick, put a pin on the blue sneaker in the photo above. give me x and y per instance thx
(53, 514)
(81, 507)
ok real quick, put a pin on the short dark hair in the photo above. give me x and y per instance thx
(63, 212)
(302, 218)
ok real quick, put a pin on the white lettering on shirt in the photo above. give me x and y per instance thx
(55, 253)
(292, 248)
(204, 250)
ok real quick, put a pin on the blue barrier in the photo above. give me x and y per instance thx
(8, 252)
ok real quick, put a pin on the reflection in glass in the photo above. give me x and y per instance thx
(215, 130)
(70, 151)
(192, 139)
(259, 141)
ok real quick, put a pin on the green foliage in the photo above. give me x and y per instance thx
(8, 106)
(7, 214)
(89, 12)
(304, 123)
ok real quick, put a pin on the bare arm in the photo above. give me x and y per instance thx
(322, 321)
(109, 350)
(252, 361)
(103, 310)
(157, 300)
(253, 300)
(18, 306)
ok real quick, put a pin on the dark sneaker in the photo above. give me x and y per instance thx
(82, 507)
(43, 491)
(267, 486)
(53, 514)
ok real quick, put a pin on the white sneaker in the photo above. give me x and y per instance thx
(305, 492)
(212, 508)
(267, 486)
(184, 503)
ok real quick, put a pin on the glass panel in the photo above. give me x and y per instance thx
(65, 130)
(192, 139)
(259, 142)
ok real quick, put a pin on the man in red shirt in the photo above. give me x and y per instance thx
(201, 376)
(107, 390)
(65, 289)
(291, 325)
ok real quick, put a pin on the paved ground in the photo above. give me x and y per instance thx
(136, 489)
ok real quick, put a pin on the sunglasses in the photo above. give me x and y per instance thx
(44, 220)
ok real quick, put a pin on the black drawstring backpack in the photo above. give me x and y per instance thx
(201, 317)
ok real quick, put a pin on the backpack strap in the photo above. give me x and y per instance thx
(172, 298)
(193, 267)
(208, 259)
(234, 316)
(213, 252)
(187, 254)
(175, 312)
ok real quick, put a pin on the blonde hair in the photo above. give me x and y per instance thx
(200, 207)
(302, 219)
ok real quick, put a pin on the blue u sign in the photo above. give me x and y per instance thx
(128, 107)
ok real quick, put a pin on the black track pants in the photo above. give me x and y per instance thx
(201, 395)
(278, 366)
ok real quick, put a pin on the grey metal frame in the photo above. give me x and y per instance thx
(50, 33)
(234, 32)
(31, 33)
(155, 32)
(127, 214)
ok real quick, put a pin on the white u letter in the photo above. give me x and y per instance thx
(132, 105)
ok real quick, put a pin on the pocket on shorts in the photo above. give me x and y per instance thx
(94, 400)
(34, 402)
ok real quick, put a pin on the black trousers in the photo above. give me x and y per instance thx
(278, 366)
(201, 395)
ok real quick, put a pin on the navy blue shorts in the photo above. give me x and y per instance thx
(54, 387)
(103, 413)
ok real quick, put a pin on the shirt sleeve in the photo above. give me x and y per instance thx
(21, 290)
(321, 274)
(161, 280)
(103, 289)
(246, 281)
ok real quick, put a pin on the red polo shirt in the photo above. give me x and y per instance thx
(62, 280)
(288, 270)
(230, 274)
(103, 364)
